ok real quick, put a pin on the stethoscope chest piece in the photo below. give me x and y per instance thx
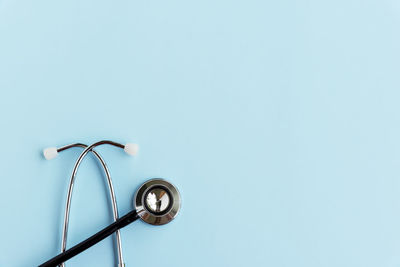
(157, 202)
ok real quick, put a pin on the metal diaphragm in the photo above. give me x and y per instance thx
(157, 201)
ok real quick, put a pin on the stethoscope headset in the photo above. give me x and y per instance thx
(156, 202)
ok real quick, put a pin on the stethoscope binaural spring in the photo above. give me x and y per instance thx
(156, 202)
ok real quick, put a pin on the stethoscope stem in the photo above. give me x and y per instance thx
(94, 239)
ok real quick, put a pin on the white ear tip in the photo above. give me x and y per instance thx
(131, 149)
(50, 153)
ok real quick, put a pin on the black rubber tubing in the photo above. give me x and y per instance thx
(94, 239)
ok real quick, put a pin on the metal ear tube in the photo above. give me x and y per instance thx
(52, 152)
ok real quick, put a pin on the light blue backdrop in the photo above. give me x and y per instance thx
(277, 120)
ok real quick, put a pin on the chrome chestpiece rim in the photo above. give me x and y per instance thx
(157, 202)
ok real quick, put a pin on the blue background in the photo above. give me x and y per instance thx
(277, 120)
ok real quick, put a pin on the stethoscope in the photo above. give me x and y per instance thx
(156, 202)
